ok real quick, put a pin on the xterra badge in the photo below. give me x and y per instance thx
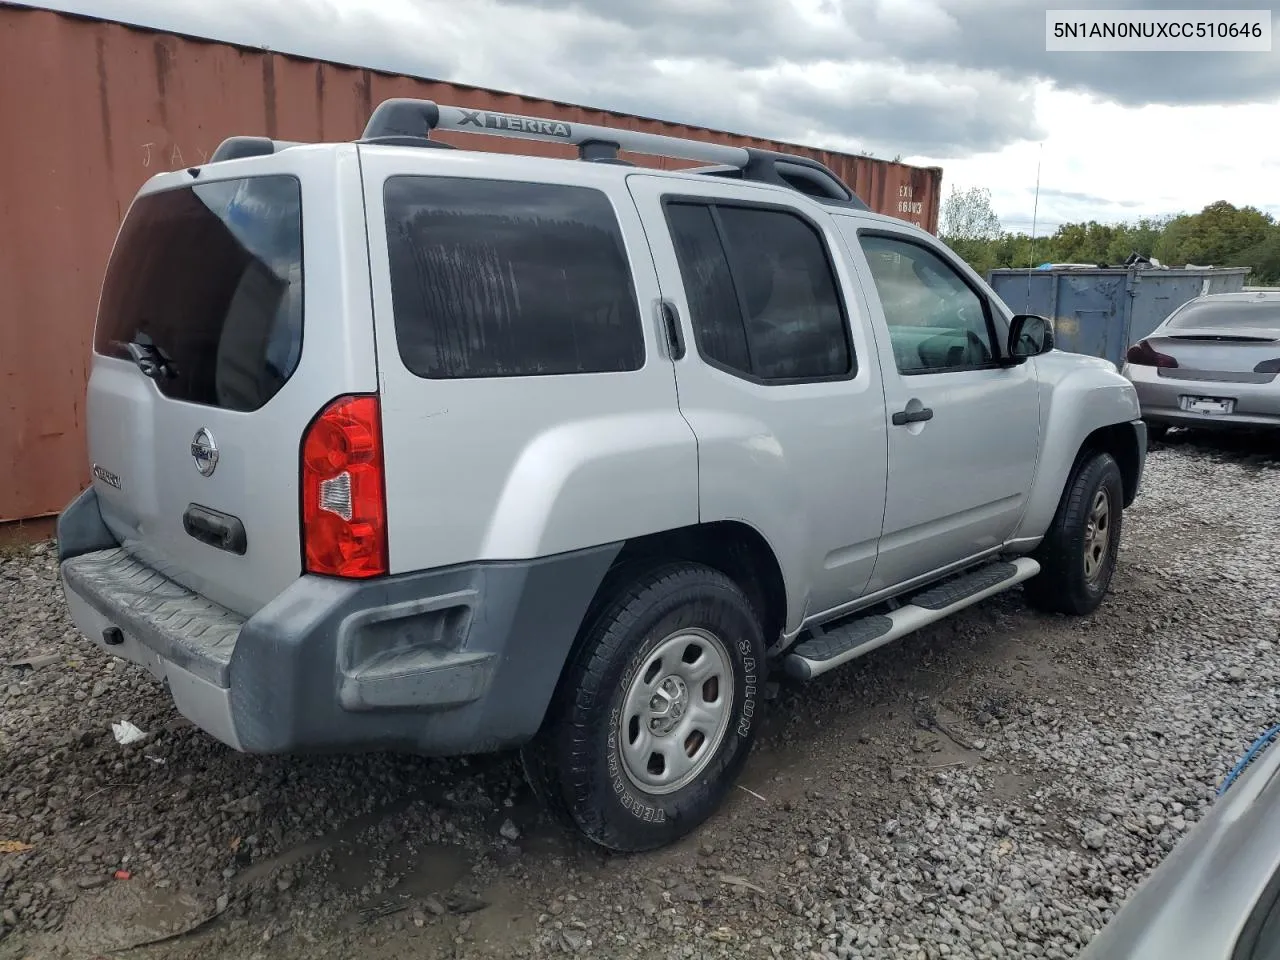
(204, 452)
(106, 476)
(506, 121)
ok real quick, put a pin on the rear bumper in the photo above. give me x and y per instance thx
(457, 660)
(1256, 404)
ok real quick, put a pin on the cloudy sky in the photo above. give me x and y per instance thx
(963, 84)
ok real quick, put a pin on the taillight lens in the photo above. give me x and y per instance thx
(1143, 355)
(344, 504)
(1268, 366)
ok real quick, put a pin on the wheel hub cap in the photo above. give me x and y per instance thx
(675, 711)
(668, 705)
(1097, 535)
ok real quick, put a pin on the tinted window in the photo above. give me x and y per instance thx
(1225, 314)
(937, 323)
(708, 286)
(211, 275)
(498, 279)
(761, 292)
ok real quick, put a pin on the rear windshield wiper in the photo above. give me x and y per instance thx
(150, 358)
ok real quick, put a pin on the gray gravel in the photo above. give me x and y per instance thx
(993, 787)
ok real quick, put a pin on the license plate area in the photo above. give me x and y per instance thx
(1208, 406)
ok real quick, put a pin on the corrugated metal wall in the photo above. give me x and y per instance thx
(1102, 312)
(104, 106)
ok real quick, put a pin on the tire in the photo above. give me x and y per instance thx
(1156, 432)
(1077, 564)
(588, 762)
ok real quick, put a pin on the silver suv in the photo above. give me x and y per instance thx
(396, 445)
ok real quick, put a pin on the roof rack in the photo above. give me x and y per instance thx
(405, 121)
(237, 148)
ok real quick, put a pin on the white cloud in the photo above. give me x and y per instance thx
(924, 20)
(1123, 163)
(962, 84)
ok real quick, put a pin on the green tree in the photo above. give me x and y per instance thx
(1140, 237)
(970, 227)
(968, 215)
(1082, 242)
(1263, 258)
(1216, 236)
(1219, 235)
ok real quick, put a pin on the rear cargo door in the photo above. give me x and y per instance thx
(235, 306)
(529, 406)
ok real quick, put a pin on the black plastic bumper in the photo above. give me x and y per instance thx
(457, 660)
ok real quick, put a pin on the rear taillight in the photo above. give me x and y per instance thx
(344, 506)
(1268, 366)
(1141, 354)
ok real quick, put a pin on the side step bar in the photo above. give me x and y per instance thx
(826, 650)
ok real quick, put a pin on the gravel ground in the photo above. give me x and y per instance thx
(992, 787)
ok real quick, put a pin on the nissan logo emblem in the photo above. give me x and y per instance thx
(204, 452)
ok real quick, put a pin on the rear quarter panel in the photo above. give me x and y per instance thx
(512, 468)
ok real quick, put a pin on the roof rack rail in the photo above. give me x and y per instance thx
(403, 120)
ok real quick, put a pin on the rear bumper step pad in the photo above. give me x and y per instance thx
(182, 627)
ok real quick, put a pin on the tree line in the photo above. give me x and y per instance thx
(1220, 235)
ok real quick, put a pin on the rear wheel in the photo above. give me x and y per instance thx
(656, 710)
(1078, 555)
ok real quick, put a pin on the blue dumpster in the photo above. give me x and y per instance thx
(1103, 311)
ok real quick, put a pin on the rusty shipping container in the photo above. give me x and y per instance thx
(108, 105)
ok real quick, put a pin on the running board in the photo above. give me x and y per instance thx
(828, 649)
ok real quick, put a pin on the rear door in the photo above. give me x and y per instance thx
(235, 306)
(528, 407)
(779, 381)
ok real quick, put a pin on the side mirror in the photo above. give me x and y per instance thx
(1029, 336)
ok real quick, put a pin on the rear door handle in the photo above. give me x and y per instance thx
(903, 417)
(215, 528)
(671, 326)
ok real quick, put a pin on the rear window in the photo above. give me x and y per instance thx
(762, 296)
(1224, 314)
(498, 279)
(208, 278)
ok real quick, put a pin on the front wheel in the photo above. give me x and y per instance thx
(1078, 555)
(655, 712)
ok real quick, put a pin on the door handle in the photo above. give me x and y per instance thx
(903, 417)
(215, 528)
(671, 326)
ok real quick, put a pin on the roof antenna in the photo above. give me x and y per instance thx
(1035, 213)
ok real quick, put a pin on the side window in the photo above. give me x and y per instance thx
(708, 286)
(937, 323)
(762, 295)
(499, 279)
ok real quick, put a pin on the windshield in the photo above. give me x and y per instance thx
(205, 282)
(1226, 314)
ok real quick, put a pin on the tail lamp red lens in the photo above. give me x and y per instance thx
(1142, 354)
(344, 504)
